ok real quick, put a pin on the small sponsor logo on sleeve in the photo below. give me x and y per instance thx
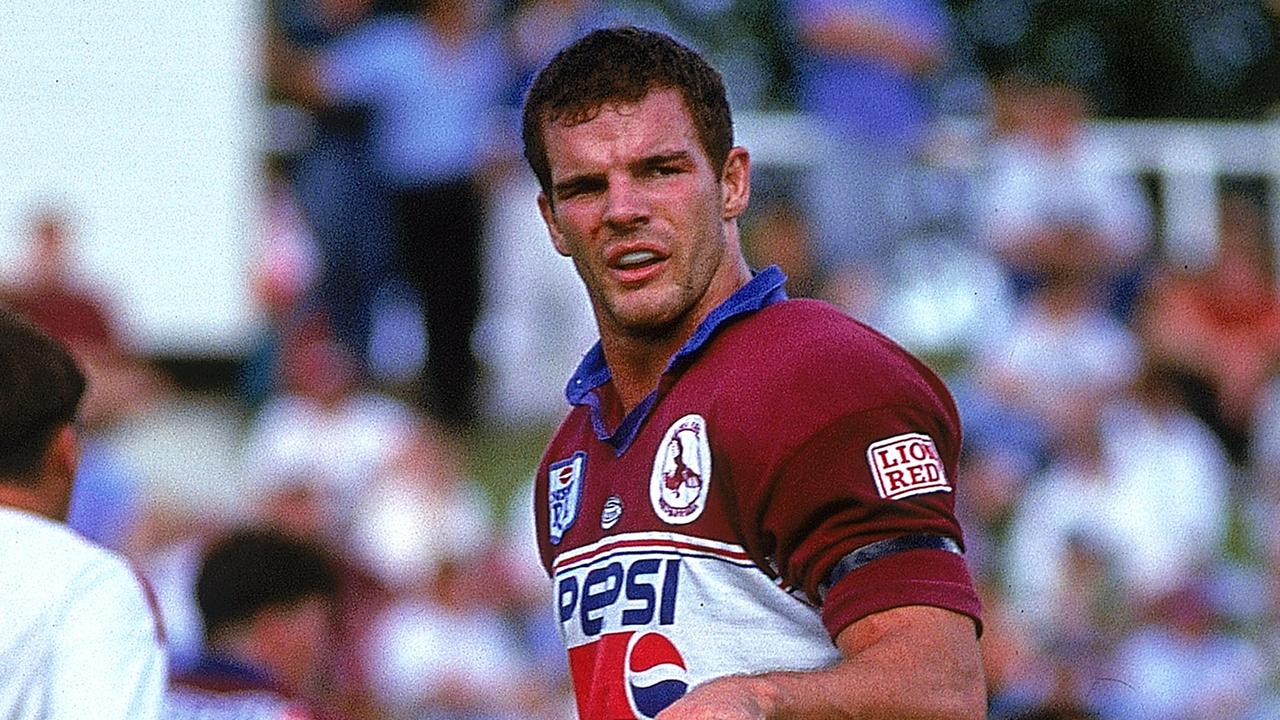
(906, 465)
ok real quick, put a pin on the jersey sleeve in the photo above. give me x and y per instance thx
(859, 515)
(109, 661)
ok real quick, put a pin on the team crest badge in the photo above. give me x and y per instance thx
(564, 489)
(682, 471)
(906, 465)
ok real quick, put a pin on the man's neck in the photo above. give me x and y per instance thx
(27, 499)
(636, 365)
(636, 361)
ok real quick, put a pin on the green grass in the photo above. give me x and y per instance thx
(502, 458)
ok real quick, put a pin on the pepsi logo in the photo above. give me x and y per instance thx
(656, 674)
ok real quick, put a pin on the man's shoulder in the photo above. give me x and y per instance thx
(64, 562)
(808, 343)
(795, 368)
(51, 545)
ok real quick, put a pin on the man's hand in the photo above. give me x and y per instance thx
(727, 698)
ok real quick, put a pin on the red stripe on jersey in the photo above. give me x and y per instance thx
(565, 561)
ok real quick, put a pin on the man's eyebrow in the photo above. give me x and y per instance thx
(589, 180)
(675, 156)
(577, 182)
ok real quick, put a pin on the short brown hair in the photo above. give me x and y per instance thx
(622, 65)
(40, 390)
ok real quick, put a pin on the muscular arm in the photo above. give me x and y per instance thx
(907, 663)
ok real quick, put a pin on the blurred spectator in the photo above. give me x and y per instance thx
(267, 602)
(443, 652)
(943, 320)
(1159, 450)
(49, 291)
(430, 82)
(1141, 485)
(299, 512)
(1184, 664)
(1073, 504)
(1061, 354)
(282, 280)
(420, 510)
(325, 436)
(1057, 202)
(779, 234)
(865, 71)
(1218, 329)
(334, 172)
(535, 30)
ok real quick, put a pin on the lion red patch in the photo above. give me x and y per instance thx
(906, 465)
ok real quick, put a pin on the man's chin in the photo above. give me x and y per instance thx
(648, 323)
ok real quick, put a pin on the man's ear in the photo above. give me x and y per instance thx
(58, 470)
(549, 217)
(735, 183)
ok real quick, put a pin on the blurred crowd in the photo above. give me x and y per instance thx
(1119, 484)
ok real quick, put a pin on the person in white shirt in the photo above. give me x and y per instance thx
(79, 637)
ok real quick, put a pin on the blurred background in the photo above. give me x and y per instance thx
(296, 246)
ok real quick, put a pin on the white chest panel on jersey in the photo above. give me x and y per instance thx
(648, 615)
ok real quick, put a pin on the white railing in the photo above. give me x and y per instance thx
(1188, 158)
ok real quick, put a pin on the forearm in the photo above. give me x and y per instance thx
(890, 671)
(869, 690)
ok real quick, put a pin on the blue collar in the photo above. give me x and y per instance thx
(764, 289)
(228, 668)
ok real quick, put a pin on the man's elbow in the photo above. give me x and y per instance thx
(969, 705)
(964, 699)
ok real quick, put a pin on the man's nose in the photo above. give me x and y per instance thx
(626, 206)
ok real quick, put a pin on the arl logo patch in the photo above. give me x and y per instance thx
(564, 489)
(906, 465)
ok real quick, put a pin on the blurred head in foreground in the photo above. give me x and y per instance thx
(40, 390)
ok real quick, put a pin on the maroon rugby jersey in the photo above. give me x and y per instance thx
(793, 472)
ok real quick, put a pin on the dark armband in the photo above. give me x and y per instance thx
(882, 549)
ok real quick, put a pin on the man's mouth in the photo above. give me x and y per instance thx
(637, 259)
(637, 265)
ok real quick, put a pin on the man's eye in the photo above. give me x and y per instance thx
(666, 170)
(574, 191)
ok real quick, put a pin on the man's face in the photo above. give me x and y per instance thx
(646, 219)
